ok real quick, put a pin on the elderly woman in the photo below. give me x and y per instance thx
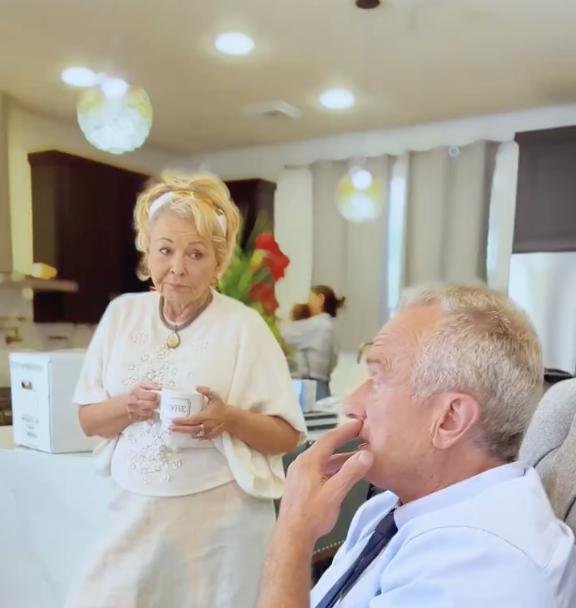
(193, 507)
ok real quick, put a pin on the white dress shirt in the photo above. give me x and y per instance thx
(491, 541)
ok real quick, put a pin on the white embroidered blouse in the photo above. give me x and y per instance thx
(228, 348)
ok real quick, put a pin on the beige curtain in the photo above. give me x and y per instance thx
(350, 257)
(448, 201)
(434, 228)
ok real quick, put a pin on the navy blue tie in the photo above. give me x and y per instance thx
(381, 536)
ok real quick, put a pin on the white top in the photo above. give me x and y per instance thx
(228, 348)
(489, 541)
(315, 345)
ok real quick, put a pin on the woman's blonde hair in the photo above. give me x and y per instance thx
(202, 198)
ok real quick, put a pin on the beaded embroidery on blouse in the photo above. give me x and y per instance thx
(153, 449)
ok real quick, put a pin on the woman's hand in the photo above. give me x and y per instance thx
(142, 401)
(210, 422)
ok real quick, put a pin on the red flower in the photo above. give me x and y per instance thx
(267, 242)
(264, 293)
(275, 260)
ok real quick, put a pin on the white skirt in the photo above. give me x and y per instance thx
(203, 550)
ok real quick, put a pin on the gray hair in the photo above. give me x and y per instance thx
(486, 347)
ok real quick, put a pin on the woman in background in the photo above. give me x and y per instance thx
(313, 339)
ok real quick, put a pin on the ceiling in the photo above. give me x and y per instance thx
(408, 61)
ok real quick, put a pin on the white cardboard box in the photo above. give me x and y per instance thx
(44, 417)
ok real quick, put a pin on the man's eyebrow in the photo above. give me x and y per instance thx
(362, 349)
(382, 362)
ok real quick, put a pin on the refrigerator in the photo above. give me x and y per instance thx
(544, 285)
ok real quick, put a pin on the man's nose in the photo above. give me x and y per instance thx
(354, 403)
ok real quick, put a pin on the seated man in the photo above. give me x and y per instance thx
(454, 379)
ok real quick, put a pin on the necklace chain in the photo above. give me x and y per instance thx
(173, 340)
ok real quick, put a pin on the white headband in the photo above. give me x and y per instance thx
(169, 196)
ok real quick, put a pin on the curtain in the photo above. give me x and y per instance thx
(349, 257)
(447, 214)
(434, 228)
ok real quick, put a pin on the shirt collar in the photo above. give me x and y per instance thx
(457, 492)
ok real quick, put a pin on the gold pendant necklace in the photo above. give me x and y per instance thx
(173, 340)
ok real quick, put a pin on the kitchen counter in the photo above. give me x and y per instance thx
(51, 509)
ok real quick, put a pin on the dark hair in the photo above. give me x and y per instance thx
(299, 312)
(331, 303)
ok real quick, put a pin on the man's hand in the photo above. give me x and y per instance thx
(318, 481)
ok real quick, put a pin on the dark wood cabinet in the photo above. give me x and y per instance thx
(82, 225)
(254, 198)
(546, 194)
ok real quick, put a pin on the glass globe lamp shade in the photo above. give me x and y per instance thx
(115, 124)
(360, 204)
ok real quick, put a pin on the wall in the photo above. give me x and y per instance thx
(268, 161)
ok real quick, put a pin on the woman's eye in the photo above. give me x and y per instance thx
(164, 250)
(196, 255)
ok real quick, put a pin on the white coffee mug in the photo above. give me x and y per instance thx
(178, 404)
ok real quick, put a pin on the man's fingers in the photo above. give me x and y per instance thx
(352, 471)
(335, 463)
(325, 446)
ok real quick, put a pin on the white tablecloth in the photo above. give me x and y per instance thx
(51, 509)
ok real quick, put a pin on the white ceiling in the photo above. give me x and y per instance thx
(408, 61)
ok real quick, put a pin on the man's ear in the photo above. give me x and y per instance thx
(457, 413)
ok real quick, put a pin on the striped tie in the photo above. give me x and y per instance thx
(381, 536)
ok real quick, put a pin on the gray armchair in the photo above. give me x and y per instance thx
(550, 447)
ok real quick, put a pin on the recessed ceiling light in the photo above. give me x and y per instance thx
(79, 77)
(234, 43)
(337, 99)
